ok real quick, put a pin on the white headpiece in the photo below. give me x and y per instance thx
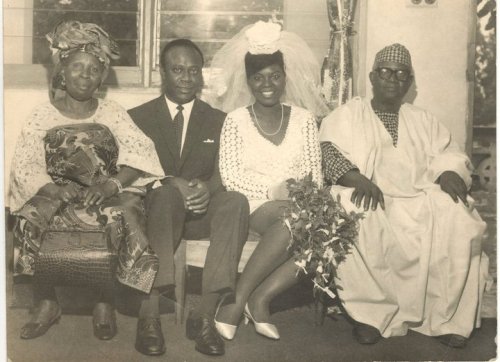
(227, 83)
(263, 37)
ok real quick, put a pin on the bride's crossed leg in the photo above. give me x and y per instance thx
(269, 271)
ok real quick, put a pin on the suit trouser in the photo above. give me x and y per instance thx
(225, 223)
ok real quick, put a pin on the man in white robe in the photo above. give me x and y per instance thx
(418, 262)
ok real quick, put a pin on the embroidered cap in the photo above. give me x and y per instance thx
(396, 53)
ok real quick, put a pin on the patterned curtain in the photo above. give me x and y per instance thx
(337, 67)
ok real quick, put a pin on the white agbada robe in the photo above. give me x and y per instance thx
(417, 265)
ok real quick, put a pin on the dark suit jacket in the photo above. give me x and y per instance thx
(201, 147)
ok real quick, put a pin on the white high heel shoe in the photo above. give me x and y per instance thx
(266, 329)
(227, 331)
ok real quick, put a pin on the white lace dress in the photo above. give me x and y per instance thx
(251, 164)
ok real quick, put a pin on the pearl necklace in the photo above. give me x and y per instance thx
(262, 130)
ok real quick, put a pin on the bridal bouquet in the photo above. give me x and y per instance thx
(322, 232)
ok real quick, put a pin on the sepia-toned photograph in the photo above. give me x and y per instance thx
(250, 180)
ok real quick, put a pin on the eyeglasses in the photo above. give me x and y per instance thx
(387, 73)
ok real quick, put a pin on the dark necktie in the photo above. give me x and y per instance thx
(178, 126)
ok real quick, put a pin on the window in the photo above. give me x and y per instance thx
(141, 28)
(119, 18)
(209, 23)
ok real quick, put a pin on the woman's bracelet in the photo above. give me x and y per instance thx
(117, 183)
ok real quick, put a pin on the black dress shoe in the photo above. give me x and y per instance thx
(104, 321)
(208, 341)
(453, 340)
(47, 313)
(365, 334)
(149, 338)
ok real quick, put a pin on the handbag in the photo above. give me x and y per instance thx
(77, 258)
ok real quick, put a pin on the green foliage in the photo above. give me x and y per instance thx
(322, 232)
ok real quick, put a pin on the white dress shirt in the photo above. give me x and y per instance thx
(186, 112)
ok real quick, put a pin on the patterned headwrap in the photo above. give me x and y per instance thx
(71, 36)
(396, 53)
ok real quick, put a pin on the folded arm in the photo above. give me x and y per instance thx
(96, 194)
(339, 170)
(449, 166)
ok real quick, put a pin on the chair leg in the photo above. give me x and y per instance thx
(180, 281)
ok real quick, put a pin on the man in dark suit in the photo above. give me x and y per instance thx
(192, 202)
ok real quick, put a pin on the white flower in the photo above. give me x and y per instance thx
(263, 37)
(328, 254)
(325, 231)
(302, 265)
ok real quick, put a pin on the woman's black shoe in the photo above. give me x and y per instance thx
(42, 320)
(104, 321)
(149, 338)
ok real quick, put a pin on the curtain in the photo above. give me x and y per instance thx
(337, 67)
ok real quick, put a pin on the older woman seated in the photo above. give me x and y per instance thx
(74, 157)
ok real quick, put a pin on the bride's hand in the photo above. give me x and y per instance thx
(278, 191)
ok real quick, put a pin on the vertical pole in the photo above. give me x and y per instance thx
(340, 96)
(146, 25)
(470, 75)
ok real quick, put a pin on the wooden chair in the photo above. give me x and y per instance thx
(194, 252)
